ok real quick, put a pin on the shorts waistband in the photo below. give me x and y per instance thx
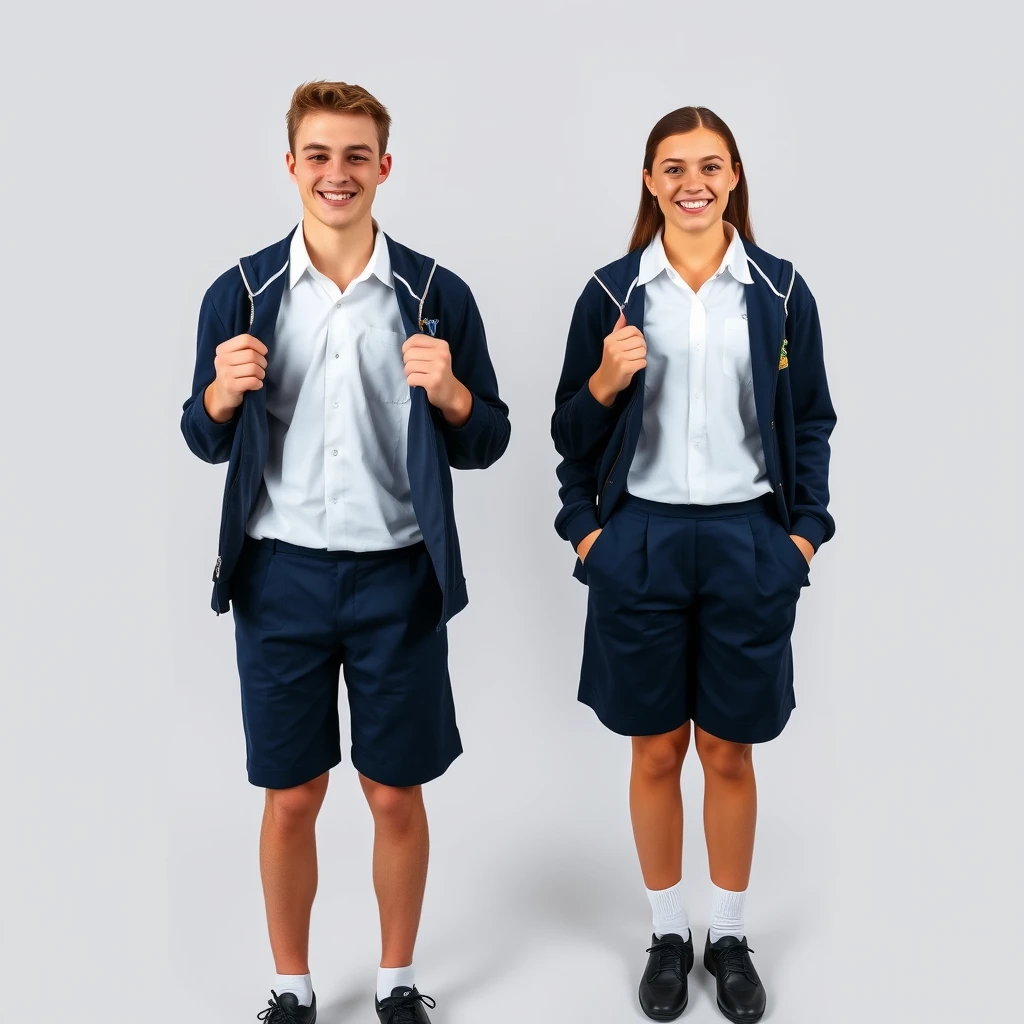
(727, 510)
(336, 556)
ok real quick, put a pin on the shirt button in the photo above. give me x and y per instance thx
(335, 405)
(337, 355)
(335, 452)
(334, 501)
(338, 306)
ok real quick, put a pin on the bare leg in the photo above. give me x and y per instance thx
(289, 870)
(401, 847)
(656, 805)
(730, 809)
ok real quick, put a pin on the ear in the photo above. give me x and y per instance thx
(737, 171)
(385, 169)
(289, 162)
(648, 182)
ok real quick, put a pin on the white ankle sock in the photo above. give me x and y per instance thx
(670, 915)
(727, 917)
(390, 978)
(299, 984)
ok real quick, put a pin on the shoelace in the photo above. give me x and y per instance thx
(275, 1013)
(735, 959)
(402, 1009)
(670, 956)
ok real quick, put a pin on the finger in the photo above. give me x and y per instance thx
(244, 355)
(620, 323)
(248, 370)
(242, 341)
(419, 341)
(627, 332)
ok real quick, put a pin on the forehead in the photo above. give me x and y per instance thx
(336, 130)
(691, 146)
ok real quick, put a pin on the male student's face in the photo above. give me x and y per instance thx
(337, 167)
(693, 176)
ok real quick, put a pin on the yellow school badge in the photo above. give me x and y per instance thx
(783, 358)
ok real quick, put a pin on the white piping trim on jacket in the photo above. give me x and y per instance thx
(399, 277)
(426, 289)
(630, 292)
(608, 291)
(789, 290)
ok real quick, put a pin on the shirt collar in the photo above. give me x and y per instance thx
(653, 259)
(379, 265)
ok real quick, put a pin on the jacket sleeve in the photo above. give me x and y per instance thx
(814, 419)
(483, 438)
(580, 424)
(209, 440)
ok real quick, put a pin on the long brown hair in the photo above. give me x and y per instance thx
(649, 219)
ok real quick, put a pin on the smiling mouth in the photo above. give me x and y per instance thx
(336, 197)
(693, 205)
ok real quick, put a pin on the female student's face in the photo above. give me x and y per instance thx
(692, 177)
(336, 166)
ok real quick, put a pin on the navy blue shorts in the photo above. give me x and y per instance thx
(304, 616)
(691, 609)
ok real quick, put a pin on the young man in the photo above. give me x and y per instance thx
(323, 381)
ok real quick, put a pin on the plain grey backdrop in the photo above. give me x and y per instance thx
(144, 153)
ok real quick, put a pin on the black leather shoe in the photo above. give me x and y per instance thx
(404, 1006)
(285, 1009)
(663, 990)
(741, 996)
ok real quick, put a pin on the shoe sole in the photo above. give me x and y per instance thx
(709, 967)
(663, 1017)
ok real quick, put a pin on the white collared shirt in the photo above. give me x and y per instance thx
(338, 411)
(700, 443)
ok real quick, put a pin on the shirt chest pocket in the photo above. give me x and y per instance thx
(736, 350)
(381, 366)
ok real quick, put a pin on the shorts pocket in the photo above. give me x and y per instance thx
(736, 350)
(799, 565)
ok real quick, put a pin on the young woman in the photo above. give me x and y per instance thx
(693, 418)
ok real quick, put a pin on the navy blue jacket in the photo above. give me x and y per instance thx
(794, 411)
(246, 300)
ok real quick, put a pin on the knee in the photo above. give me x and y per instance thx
(297, 807)
(659, 757)
(732, 761)
(396, 805)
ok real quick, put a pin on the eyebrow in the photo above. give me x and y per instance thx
(320, 147)
(703, 159)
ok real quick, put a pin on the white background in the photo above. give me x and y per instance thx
(144, 152)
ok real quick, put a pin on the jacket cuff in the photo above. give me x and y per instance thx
(210, 428)
(594, 417)
(582, 525)
(475, 422)
(810, 529)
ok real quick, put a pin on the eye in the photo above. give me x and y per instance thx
(712, 168)
(671, 169)
(359, 159)
(317, 156)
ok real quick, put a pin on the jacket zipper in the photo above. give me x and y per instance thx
(433, 442)
(632, 401)
(227, 499)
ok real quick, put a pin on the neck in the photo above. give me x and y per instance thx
(340, 254)
(691, 252)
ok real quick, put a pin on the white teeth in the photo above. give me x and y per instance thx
(695, 204)
(338, 195)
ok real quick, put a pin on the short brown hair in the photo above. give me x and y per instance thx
(338, 98)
